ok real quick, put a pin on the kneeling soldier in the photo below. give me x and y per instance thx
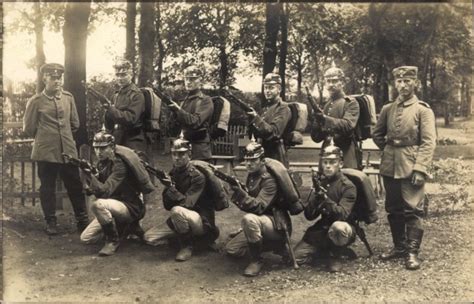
(192, 211)
(264, 203)
(334, 201)
(118, 194)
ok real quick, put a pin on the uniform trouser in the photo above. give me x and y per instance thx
(184, 221)
(340, 234)
(105, 211)
(255, 228)
(397, 207)
(69, 174)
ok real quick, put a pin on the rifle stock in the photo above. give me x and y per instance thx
(164, 97)
(101, 97)
(231, 180)
(245, 107)
(80, 163)
(162, 176)
(312, 102)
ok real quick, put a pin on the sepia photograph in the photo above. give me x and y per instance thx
(236, 152)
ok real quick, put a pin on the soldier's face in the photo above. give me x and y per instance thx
(123, 78)
(180, 159)
(254, 165)
(331, 167)
(52, 83)
(104, 153)
(406, 87)
(334, 85)
(191, 83)
(271, 91)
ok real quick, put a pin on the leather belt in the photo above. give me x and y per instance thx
(401, 142)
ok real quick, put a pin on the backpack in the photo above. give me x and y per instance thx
(151, 121)
(365, 207)
(367, 116)
(219, 124)
(134, 163)
(298, 121)
(214, 185)
(286, 185)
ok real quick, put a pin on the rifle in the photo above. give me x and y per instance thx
(245, 107)
(361, 234)
(164, 178)
(231, 180)
(164, 97)
(104, 101)
(80, 163)
(312, 102)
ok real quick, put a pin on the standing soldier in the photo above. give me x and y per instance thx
(51, 118)
(265, 205)
(339, 119)
(191, 206)
(124, 117)
(117, 188)
(332, 233)
(194, 115)
(405, 132)
(269, 128)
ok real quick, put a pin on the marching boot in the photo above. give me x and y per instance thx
(414, 236)
(112, 241)
(397, 227)
(82, 221)
(135, 231)
(334, 262)
(186, 247)
(51, 227)
(256, 264)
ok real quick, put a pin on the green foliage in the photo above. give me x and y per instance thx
(454, 177)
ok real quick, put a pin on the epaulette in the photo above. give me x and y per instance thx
(266, 175)
(424, 104)
(349, 98)
(67, 93)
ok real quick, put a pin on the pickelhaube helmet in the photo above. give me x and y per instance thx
(253, 150)
(180, 145)
(103, 139)
(332, 152)
(122, 65)
(334, 72)
(272, 78)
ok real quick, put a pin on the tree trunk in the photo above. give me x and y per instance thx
(224, 69)
(39, 44)
(76, 21)
(130, 25)
(146, 43)
(283, 48)
(272, 26)
(161, 48)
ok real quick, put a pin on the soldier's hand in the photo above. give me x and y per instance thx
(174, 106)
(418, 179)
(252, 114)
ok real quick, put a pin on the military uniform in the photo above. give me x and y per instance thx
(405, 132)
(331, 231)
(52, 120)
(340, 120)
(269, 128)
(194, 118)
(125, 118)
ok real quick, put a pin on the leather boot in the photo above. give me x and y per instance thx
(334, 262)
(135, 231)
(397, 227)
(256, 264)
(51, 227)
(112, 241)
(186, 247)
(414, 236)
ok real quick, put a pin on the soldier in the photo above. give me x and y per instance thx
(264, 204)
(405, 132)
(51, 118)
(192, 214)
(338, 118)
(194, 115)
(124, 118)
(269, 128)
(332, 233)
(118, 205)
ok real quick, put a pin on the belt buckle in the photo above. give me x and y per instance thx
(397, 142)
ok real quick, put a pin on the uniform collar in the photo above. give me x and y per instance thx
(407, 102)
(125, 88)
(194, 93)
(55, 96)
(260, 172)
(334, 178)
(337, 96)
(276, 101)
(183, 168)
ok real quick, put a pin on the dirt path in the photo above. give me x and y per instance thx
(39, 268)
